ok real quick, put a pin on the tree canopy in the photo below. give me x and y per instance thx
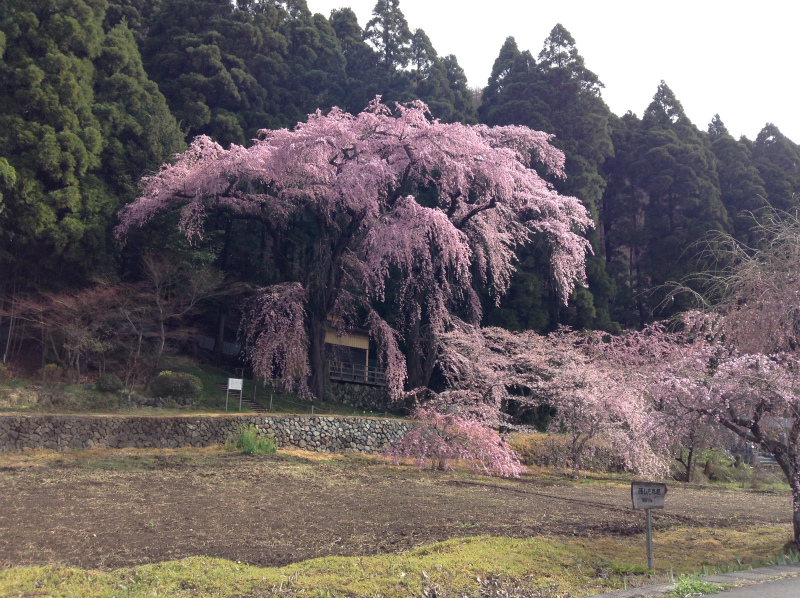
(80, 123)
(560, 95)
(357, 183)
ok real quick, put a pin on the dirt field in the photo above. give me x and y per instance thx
(108, 509)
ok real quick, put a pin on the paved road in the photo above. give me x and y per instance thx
(761, 583)
(782, 588)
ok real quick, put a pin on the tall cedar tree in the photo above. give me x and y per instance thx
(439, 82)
(622, 219)
(663, 197)
(778, 161)
(741, 186)
(79, 124)
(388, 32)
(197, 51)
(365, 77)
(561, 96)
(228, 70)
(677, 170)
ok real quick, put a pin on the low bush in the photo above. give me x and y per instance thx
(72, 400)
(250, 443)
(176, 385)
(692, 586)
(718, 466)
(552, 450)
(109, 383)
(53, 373)
(755, 477)
(5, 374)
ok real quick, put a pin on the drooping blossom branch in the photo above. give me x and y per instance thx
(438, 439)
(355, 183)
(510, 373)
(275, 335)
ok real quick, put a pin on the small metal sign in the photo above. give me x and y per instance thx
(648, 495)
(234, 384)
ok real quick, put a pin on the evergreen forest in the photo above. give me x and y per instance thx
(96, 94)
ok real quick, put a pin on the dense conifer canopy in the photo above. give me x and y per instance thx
(80, 123)
(95, 94)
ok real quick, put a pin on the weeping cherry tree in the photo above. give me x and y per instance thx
(391, 195)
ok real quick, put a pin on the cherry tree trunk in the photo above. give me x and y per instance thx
(789, 467)
(418, 376)
(796, 513)
(220, 340)
(794, 484)
(421, 353)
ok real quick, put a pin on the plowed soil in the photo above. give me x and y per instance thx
(107, 509)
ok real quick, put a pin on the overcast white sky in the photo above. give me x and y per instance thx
(738, 59)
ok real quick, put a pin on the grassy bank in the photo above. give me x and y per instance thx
(457, 567)
(20, 395)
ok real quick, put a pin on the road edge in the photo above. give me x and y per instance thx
(745, 577)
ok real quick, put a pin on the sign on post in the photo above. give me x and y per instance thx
(234, 384)
(648, 495)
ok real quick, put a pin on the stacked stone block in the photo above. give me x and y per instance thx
(313, 433)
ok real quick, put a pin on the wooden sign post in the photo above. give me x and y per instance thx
(648, 495)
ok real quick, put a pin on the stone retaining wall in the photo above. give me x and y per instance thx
(363, 396)
(314, 433)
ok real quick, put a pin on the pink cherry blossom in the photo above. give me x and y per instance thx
(357, 180)
(440, 438)
(490, 369)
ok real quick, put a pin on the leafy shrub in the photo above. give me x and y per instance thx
(53, 373)
(691, 586)
(109, 383)
(176, 385)
(250, 443)
(5, 374)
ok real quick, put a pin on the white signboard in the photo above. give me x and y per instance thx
(234, 383)
(648, 495)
